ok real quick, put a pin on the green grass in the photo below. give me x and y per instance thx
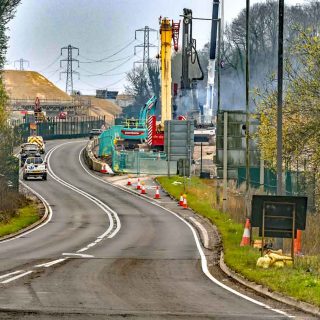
(302, 281)
(24, 217)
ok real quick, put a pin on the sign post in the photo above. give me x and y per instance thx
(279, 217)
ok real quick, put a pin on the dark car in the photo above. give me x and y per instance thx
(94, 133)
(28, 150)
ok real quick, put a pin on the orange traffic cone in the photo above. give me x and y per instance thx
(143, 190)
(181, 200)
(138, 185)
(185, 204)
(157, 195)
(103, 169)
(246, 234)
(129, 182)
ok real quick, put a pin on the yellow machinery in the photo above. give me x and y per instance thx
(168, 31)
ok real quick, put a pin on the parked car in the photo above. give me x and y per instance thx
(28, 150)
(94, 133)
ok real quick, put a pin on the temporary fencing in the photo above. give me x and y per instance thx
(142, 162)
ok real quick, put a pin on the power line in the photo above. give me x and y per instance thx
(105, 61)
(124, 43)
(101, 88)
(70, 72)
(90, 73)
(51, 64)
(52, 73)
(112, 69)
(110, 56)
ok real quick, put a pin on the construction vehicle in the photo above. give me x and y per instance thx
(131, 133)
(169, 32)
(188, 101)
(39, 115)
(38, 140)
(135, 131)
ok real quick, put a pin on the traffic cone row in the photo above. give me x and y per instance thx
(140, 186)
(246, 234)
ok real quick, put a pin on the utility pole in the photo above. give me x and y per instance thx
(247, 131)
(21, 63)
(70, 60)
(279, 241)
(146, 46)
(280, 102)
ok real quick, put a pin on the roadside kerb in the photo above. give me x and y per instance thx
(300, 305)
(304, 306)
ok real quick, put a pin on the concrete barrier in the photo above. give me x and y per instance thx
(92, 162)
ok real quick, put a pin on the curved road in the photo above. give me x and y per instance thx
(149, 268)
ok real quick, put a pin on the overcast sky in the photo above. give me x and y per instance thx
(99, 28)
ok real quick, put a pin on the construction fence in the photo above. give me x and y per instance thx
(54, 128)
(142, 162)
(295, 183)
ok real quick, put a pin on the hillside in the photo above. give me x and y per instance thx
(31, 84)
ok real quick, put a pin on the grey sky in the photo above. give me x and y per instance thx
(98, 28)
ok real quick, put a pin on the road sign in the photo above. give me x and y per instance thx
(279, 216)
(178, 139)
(279, 208)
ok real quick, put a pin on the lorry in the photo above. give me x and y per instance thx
(38, 140)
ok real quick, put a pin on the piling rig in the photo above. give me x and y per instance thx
(189, 102)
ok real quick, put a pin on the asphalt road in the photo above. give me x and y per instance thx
(147, 266)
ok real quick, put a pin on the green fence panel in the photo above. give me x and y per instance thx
(61, 128)
(141, 162)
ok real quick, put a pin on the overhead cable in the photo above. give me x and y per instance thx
(110, 56)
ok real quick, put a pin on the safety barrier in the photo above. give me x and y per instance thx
(92, 162)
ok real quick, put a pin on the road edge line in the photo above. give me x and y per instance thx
(204, 262)
(301, 305)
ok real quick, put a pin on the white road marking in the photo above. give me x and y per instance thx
(83, 249)
(82, 255)
(204, 263)
(51, 263)
(10, 274)
(203, 231)
(16, 277)
(111, 213)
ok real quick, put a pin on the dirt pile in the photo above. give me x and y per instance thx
(31, 84)
(102, 107)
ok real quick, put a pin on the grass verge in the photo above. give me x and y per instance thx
(22, 219)
(302, 281)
